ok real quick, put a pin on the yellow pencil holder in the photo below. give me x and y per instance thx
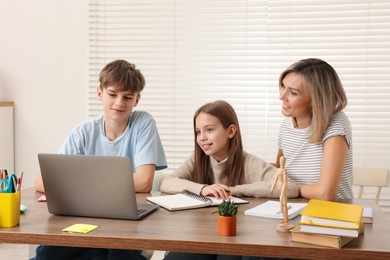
(9, 209)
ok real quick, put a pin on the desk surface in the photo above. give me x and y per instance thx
(191, 231)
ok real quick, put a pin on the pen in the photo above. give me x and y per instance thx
(14, 185)
(18, 185)
(20, 182)
(2, 177)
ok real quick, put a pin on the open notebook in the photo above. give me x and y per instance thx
(188, 200)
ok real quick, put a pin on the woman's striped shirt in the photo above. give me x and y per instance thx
(304, 159)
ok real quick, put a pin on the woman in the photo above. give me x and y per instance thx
(316, 136)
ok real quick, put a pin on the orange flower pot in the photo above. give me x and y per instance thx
(227, 225)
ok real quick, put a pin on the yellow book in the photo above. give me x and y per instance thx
(332, 214)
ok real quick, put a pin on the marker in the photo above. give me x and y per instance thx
(2, 176)
(14, 185)
(18, 185)
(21, 179)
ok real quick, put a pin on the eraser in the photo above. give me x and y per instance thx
(23, 208)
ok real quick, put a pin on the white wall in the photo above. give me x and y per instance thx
(43, 61)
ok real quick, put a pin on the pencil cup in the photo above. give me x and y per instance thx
(9, 209)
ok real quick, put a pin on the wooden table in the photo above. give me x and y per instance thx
(192, 231)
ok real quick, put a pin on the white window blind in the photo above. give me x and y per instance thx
(193, 52)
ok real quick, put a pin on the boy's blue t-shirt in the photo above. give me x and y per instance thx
(140, 141)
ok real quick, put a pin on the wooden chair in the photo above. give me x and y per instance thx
(373, 177)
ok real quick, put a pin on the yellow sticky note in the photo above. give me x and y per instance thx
(80, 228)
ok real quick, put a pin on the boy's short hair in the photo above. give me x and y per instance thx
(122, 74)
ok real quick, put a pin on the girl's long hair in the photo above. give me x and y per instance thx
(234, 171)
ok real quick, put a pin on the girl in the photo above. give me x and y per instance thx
(219, 167)
(316, 136)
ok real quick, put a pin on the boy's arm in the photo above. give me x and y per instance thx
(39, 184)
(143, 178)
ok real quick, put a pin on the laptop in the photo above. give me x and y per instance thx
(91, 186)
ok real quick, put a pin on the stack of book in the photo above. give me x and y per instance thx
(331, 224)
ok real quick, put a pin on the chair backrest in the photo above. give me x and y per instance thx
(158, 178)
(374, 177)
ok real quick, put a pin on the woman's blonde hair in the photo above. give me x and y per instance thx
(234, 171)
(327, 94)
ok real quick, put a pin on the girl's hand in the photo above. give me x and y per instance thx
(219, 191)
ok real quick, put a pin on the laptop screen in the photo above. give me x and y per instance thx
(90, 186)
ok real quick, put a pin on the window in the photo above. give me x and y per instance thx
(193, 52)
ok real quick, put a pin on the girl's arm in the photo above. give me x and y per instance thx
(259, 177)
(333, 161)
(262, 189)
(220, 191)
(179, 180)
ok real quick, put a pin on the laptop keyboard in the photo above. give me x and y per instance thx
(140, 211)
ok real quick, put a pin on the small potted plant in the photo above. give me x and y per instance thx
(227, 219)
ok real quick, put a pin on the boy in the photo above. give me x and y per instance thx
(120, 131)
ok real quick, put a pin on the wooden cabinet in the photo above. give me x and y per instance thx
(7, 148)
